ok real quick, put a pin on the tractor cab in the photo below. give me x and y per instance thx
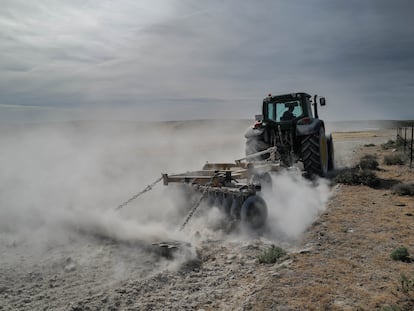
(286, 109)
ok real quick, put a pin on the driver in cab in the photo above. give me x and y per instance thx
(288, 114)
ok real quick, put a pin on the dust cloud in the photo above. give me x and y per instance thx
(294, 203)
(61, 182)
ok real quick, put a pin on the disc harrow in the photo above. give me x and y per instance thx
(235, 188)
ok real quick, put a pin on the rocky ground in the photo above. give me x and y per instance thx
(341, 262)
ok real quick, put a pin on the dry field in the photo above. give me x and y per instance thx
(347, 264)
(72, 255)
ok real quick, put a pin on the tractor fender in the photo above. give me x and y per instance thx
(311, 128)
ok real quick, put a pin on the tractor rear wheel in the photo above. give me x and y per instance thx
(315, 154)
(331, 153)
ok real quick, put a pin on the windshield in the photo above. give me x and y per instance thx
(284, 111)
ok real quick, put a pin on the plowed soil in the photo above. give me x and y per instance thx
(341, 262)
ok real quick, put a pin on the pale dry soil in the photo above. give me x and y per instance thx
(348, 265)
(342, 261)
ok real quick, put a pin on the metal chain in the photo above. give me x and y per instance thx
(147, 188)
(192, 211)
(198, 202)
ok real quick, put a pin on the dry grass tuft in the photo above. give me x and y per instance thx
(368, 162)
(272, 254)
(404, 189)
(355, 176)
(393, 144)
(394, 159)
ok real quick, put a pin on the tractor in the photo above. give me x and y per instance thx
(286, 134)
(288, 123)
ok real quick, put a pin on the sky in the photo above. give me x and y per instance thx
(188, 59)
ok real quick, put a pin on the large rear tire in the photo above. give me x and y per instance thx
(315, 154)
(331, 153)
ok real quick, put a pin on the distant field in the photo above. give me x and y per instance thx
(213, 124)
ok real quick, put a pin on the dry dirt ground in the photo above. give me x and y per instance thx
(347, 265)
(341, 262)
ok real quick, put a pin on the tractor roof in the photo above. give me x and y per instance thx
(290, 96)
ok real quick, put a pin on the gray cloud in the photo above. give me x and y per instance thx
(186, 59)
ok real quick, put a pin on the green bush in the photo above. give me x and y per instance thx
(393, 144)
(271, 254)
(404, 189)
(368, 162)
(394, 159)
(389, 145)
(407, 284)
(354, 176)
(400, 253)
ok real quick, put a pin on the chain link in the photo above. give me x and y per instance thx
(192, 211)
(147, 188)
(198, 202)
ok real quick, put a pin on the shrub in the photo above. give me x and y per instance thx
(400, 142)
(389, 145)
(407, 284)
(394, 159)
(395, 144)
(400, 253)
(369, 145)
(404, 189)
(368, 162)
(369, 178)
(355, 176)
(271, 254)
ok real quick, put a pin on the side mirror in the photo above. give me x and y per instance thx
(258, 117)
(322, 101)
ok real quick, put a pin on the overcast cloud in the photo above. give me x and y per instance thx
(187, 59)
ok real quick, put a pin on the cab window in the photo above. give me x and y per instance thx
(288, 111)
(284, 111)
(271, 112)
